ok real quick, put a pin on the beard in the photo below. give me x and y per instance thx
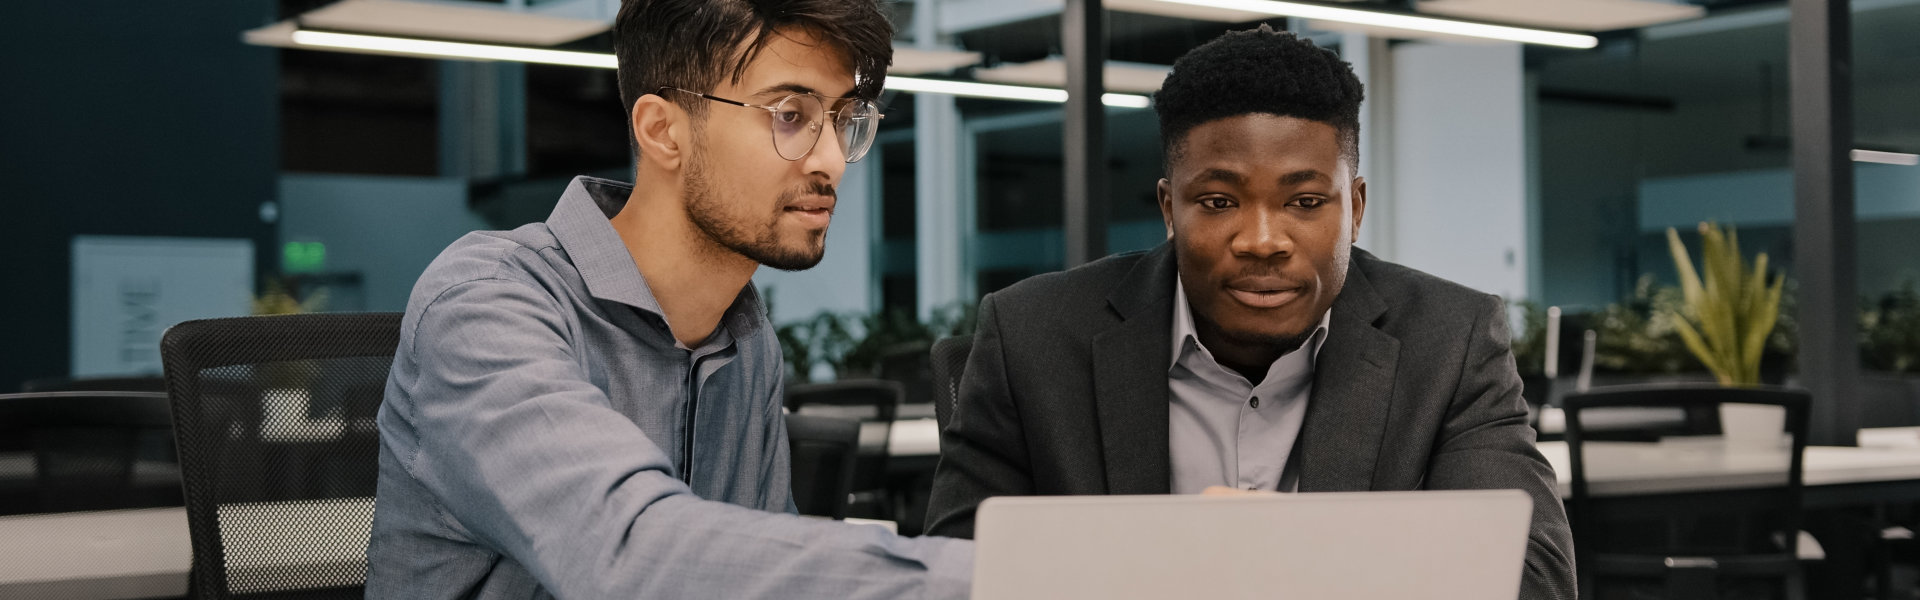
(709, 215)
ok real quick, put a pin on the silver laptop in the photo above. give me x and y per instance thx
(1359, 546)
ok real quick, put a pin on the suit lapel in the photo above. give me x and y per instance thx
(1130, 378)
(1352, 390)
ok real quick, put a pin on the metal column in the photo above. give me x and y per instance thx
(1084, 34)
(1820, 58)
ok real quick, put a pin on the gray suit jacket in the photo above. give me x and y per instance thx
(1066, 393)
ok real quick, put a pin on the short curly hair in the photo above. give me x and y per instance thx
(1259, 71)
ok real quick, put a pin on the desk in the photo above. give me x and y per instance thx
(1553, 420)
(95, 555)
(1834, 476)
(144, 553)
(914, 437)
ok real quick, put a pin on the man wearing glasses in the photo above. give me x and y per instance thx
(589, 407)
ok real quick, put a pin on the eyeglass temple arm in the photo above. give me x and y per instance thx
(659, 93)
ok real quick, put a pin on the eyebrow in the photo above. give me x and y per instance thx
(1222, 176)
(792, 88)
(1303, 176)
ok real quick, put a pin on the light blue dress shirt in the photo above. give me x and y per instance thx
(1223, 429)
(545, 436)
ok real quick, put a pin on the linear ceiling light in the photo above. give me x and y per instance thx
(970, 89)
(1886, 158)
(461, 50)
(1399, 21)
(439, 49)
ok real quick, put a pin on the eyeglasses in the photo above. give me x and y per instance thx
(797, 119)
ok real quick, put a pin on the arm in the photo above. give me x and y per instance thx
(983, 449)
(529, 458)
(1486, 443)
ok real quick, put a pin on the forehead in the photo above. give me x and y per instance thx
(1260, 140)
(795, 57)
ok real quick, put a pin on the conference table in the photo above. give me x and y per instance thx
(146, 552)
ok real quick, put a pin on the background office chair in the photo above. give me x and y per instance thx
(868, 401)
(949, 363)
(274, 419)
(822, 450)
(907, 364)
(86, 451)
(1688, 545)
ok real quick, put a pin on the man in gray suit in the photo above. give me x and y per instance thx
(1256, 349)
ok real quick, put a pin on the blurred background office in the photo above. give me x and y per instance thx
(165, 161)
(173, 162)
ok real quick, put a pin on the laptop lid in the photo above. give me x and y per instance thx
(1360, 546)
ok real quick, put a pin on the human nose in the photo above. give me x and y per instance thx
(826, 157)
(1263, 234)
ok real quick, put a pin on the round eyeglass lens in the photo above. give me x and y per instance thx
(857, 123)
(796, 125)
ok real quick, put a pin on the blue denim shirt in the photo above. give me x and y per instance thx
(544, 435)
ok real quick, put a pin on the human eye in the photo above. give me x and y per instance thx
(788, 120)
(1216, 203)
(1310, 202)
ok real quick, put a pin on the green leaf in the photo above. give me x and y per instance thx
(1689, 280)
(1699, 348)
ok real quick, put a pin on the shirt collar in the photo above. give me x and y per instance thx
(1183, 329)
(581, 222)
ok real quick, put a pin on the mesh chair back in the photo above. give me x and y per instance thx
(274, 417)
(1629, 538)
(86, 451)
(908, 364)
(949, 363)
(822, 450)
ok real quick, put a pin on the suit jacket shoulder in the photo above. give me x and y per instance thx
(1049, 297)
(1416, 297)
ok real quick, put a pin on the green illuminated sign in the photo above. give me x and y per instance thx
(303, 257)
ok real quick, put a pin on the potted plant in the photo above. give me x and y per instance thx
(1729, 311)
(1728, 314)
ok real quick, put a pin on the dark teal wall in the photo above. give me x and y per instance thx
(123, 118)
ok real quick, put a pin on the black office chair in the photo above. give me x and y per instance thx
(822, 450)
(274, 419)
(1686, 545)
(949, 363)
(89, 451)
(867, 400)
(907, 363)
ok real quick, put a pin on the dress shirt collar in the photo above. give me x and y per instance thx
(582, 224)
(1186, 340)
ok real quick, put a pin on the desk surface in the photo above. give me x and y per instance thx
(146, 553)
(1627, 468)
(96, 555)
(1621, 468)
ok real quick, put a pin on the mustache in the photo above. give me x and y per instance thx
(813, 188)
(1268, 273)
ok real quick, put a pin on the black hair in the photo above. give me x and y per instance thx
(692, 44)
(1259, 71)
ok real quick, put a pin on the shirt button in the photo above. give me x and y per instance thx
(1254, 402)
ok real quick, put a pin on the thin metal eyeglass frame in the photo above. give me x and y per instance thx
(774, 109)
